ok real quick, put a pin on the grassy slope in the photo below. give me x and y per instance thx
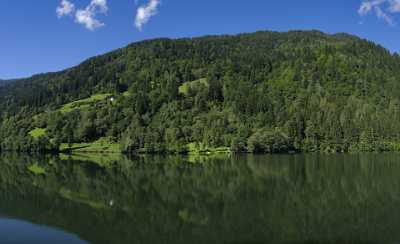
(37, 132)
(84, 103)
(104, 145)
(101, 145)
(185, 87)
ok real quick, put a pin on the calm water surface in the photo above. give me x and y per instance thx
(238, 199)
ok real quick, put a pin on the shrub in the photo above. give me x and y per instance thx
(269, 141)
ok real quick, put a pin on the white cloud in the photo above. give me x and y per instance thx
(101, 5)
(383, 9)
(365, 8)
(145, 12)
(65, 8)
(384, 16)
(394, 6)
(87, 16)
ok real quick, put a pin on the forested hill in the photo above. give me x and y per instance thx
(260, 92)
(2, 82)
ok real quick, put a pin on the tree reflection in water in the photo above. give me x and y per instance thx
(228, 199)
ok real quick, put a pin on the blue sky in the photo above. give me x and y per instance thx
(49, 35)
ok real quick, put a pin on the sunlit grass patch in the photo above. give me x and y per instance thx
(104, 145)
(84, 103)
(185, 87)
(37, 132)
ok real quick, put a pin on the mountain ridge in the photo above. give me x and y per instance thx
(257, 92)
(339, 34)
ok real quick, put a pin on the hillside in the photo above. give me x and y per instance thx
(3, 82)
(265, 92)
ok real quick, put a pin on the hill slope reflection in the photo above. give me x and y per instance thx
(254, 199)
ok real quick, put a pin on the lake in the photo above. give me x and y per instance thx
(310, 198)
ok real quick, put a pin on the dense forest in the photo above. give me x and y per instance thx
(265, 92)
(3, 82)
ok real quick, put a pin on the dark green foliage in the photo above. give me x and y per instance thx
(269, 141)
(324, 92)
(305, 198)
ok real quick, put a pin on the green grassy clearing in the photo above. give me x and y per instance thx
(84, 103)
(91, 147)
(185, 87)
(126, 94)
(37, 132)
(103, 145)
